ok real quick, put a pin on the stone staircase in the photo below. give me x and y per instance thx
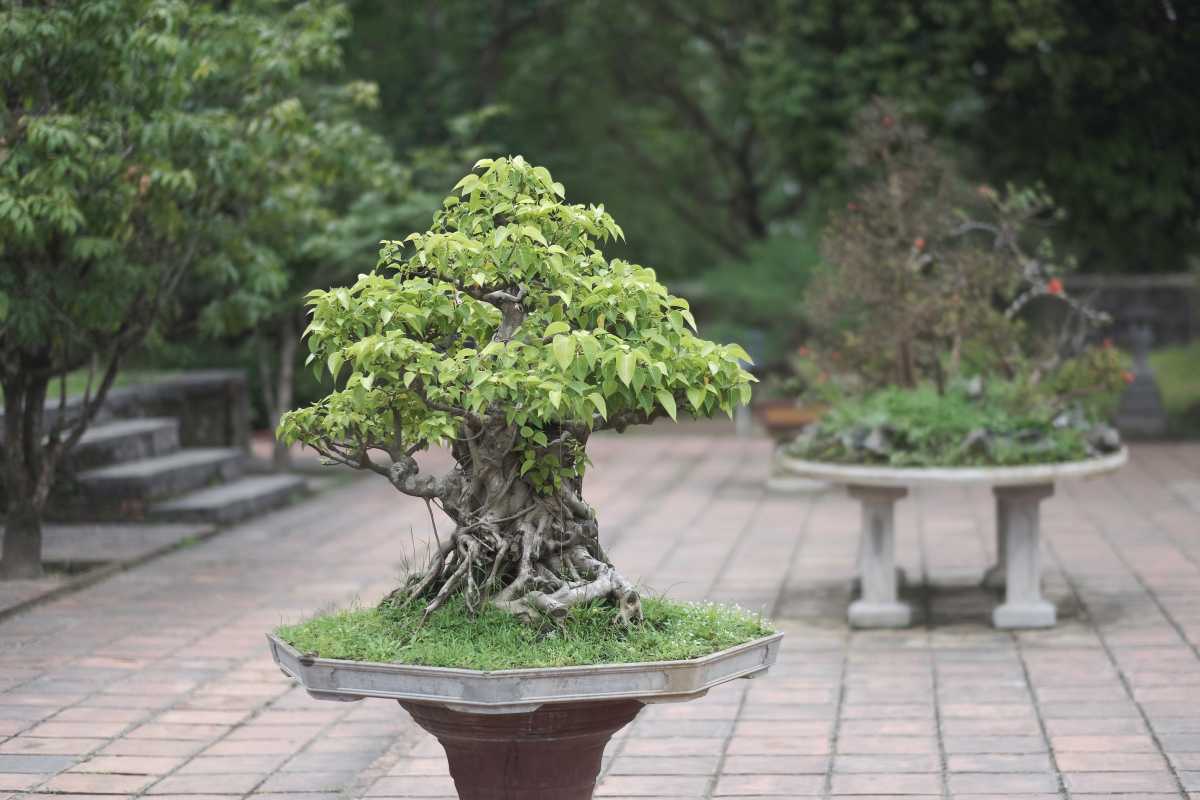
(135, 468)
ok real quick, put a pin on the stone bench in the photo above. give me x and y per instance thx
(1018, 492)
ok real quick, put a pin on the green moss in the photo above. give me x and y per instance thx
(495, 640)
(922, 428)
(1177, 370)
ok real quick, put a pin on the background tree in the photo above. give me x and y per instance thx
(506, 332)
(132, 137)
(740, 109)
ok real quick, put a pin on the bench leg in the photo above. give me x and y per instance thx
(993, 577)
(879, 605)
(1017, 511)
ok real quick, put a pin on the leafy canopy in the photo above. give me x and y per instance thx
(140, 141)
(507, 308)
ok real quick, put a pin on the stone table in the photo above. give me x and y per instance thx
(1018, 492)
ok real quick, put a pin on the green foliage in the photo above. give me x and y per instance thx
(138, 139)
(1177, 371)
(1010, 423)
(583, 340)
(492, 639)
(762, 292)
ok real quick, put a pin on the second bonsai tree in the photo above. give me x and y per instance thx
(504, 332)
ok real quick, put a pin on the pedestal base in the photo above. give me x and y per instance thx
(552, 753)
(1031, 615)
(865, 614)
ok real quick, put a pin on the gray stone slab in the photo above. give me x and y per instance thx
(229, 502)
(163, 476)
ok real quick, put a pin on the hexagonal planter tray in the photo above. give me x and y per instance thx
(525, 734)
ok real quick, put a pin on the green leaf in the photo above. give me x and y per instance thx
(696, 395)
(667, 401)
(555, 397)
(335, 363)
(598, 401)
(625, 365)
(591, 348)
(738, 352)
(558, 326)
(564, 350)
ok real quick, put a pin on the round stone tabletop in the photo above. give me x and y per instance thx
(874, 475)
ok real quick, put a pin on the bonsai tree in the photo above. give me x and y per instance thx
(925, 317)
(504, 332)
(930, 273)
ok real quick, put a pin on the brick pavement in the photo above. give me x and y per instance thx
(156, 683)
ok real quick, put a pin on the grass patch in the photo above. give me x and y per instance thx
(493, 640)
(921, 428)
(1177, 371)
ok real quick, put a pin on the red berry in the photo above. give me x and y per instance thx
(919, 243)
(888, 121)
(1127, 376)
(1054, 286)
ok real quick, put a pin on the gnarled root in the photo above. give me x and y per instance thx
(534, 565)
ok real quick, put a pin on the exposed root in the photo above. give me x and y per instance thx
(529, 554)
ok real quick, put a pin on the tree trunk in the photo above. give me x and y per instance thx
(531, 551)
(278, 385)
(26, 483)
(284, 389)
(22, 539)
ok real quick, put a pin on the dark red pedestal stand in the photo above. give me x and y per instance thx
(552, 753)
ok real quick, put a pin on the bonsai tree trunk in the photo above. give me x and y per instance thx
(278, 385)
(530, 553)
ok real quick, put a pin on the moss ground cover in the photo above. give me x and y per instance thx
(493, 639)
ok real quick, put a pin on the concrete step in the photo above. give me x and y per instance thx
(121, 440)
(133, 484)
(245, 497)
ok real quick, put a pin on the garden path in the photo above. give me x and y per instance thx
(157, 682)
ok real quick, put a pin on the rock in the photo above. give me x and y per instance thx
(877, 441)
(1104, 438)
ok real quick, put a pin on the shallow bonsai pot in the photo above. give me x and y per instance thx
(781, 418)
(525, 734)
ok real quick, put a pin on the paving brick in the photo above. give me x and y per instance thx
(1113, 782)
(129, 765)
(768, 785)
(225, 783)
(80, 783)
(970, 783)
(887, 783)
(34, 763)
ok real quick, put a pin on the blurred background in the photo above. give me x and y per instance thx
(714, 131)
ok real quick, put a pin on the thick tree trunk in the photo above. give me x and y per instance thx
(278, 385)
(22, 540)
(26, 483)
(530, 552)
